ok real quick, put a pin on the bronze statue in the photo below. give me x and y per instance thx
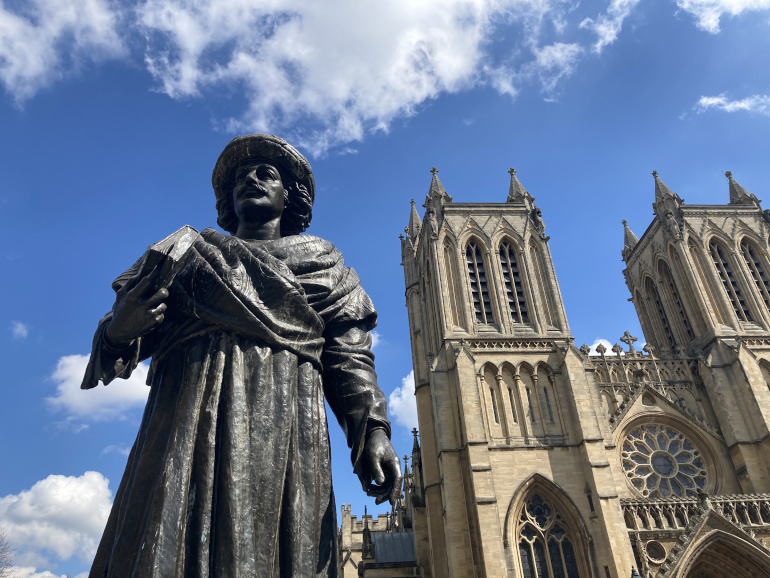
(230, 473)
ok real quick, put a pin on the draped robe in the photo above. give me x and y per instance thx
(230, 471)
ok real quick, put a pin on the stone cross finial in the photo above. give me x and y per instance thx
(414, 432)
(629, 340)
(511, 171)
(729, 174)
(624, 222)
(601, 350)
(654, 173)
(434, 170)
(412, 202)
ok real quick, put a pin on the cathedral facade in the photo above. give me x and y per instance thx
(538, 458)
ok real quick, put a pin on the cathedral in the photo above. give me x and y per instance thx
(538, 458)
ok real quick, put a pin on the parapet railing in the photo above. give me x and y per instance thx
(749, 511)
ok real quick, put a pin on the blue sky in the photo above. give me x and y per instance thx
(113, 114)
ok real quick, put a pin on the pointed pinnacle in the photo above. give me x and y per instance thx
(516, 192)
(739, 195)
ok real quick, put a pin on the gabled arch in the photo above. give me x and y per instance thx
(733, 555)
(542, 514)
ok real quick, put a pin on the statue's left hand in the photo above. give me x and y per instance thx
(383, 466)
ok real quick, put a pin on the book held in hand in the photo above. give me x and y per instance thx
(165, 258)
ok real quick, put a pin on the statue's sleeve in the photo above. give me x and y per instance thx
(108, 361)
(350, 386)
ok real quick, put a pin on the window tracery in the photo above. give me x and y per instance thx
(660, 461)
(732, 288)
(546, 546)
(482, 304)
(513, 286)
(754, 265)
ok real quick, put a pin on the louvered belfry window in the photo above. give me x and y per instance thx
(754, 264)
(479, 289)
(733, 290)
(513, 288)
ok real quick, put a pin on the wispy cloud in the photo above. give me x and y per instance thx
(327, 74)
(402, 405)
(759, 104)
(19, 330)
(98, 404)
(60, 515)
(607, 26)
(114, 449)
(709, 12)
(45, 39)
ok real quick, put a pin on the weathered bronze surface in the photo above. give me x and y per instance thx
(230, 473)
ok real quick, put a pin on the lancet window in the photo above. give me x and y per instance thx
(482, 304)
(673, 298)
(513, 286)
(756, 267)
(730, 283)
(665, 326)
(547, 548)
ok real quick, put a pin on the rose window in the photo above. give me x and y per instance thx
(661, 462)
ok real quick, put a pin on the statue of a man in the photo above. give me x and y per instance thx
(230, 472)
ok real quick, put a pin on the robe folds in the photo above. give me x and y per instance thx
(230, 473)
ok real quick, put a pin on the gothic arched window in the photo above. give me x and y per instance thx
(513, 286)
(665, 326)
(755, 265)
(672, 295)
(482, 304)
(730, 283)
(546, 545)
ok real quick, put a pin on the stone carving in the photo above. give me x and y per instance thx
(230, 472)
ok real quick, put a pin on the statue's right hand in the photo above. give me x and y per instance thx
(135, 313)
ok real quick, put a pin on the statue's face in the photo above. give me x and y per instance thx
(258, 192)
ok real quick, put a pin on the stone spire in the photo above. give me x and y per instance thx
(435, 200)
(667, 207)
(517, 193)
(436, 190)
(415, 224)
(663, 193)
(629, 240)
(739, 195)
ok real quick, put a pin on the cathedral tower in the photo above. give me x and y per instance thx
(516, 470)
(699, 281)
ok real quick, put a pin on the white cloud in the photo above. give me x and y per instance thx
(607, 345)
(115, 449)
(402, 403)
(376, 339)
(709, 12)
(43, 39)
(608, 25)
(759, 104)
(63, 515)
(553, 63)
(98, 404)
(31, 572)
(343, 67)
(19, 330)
